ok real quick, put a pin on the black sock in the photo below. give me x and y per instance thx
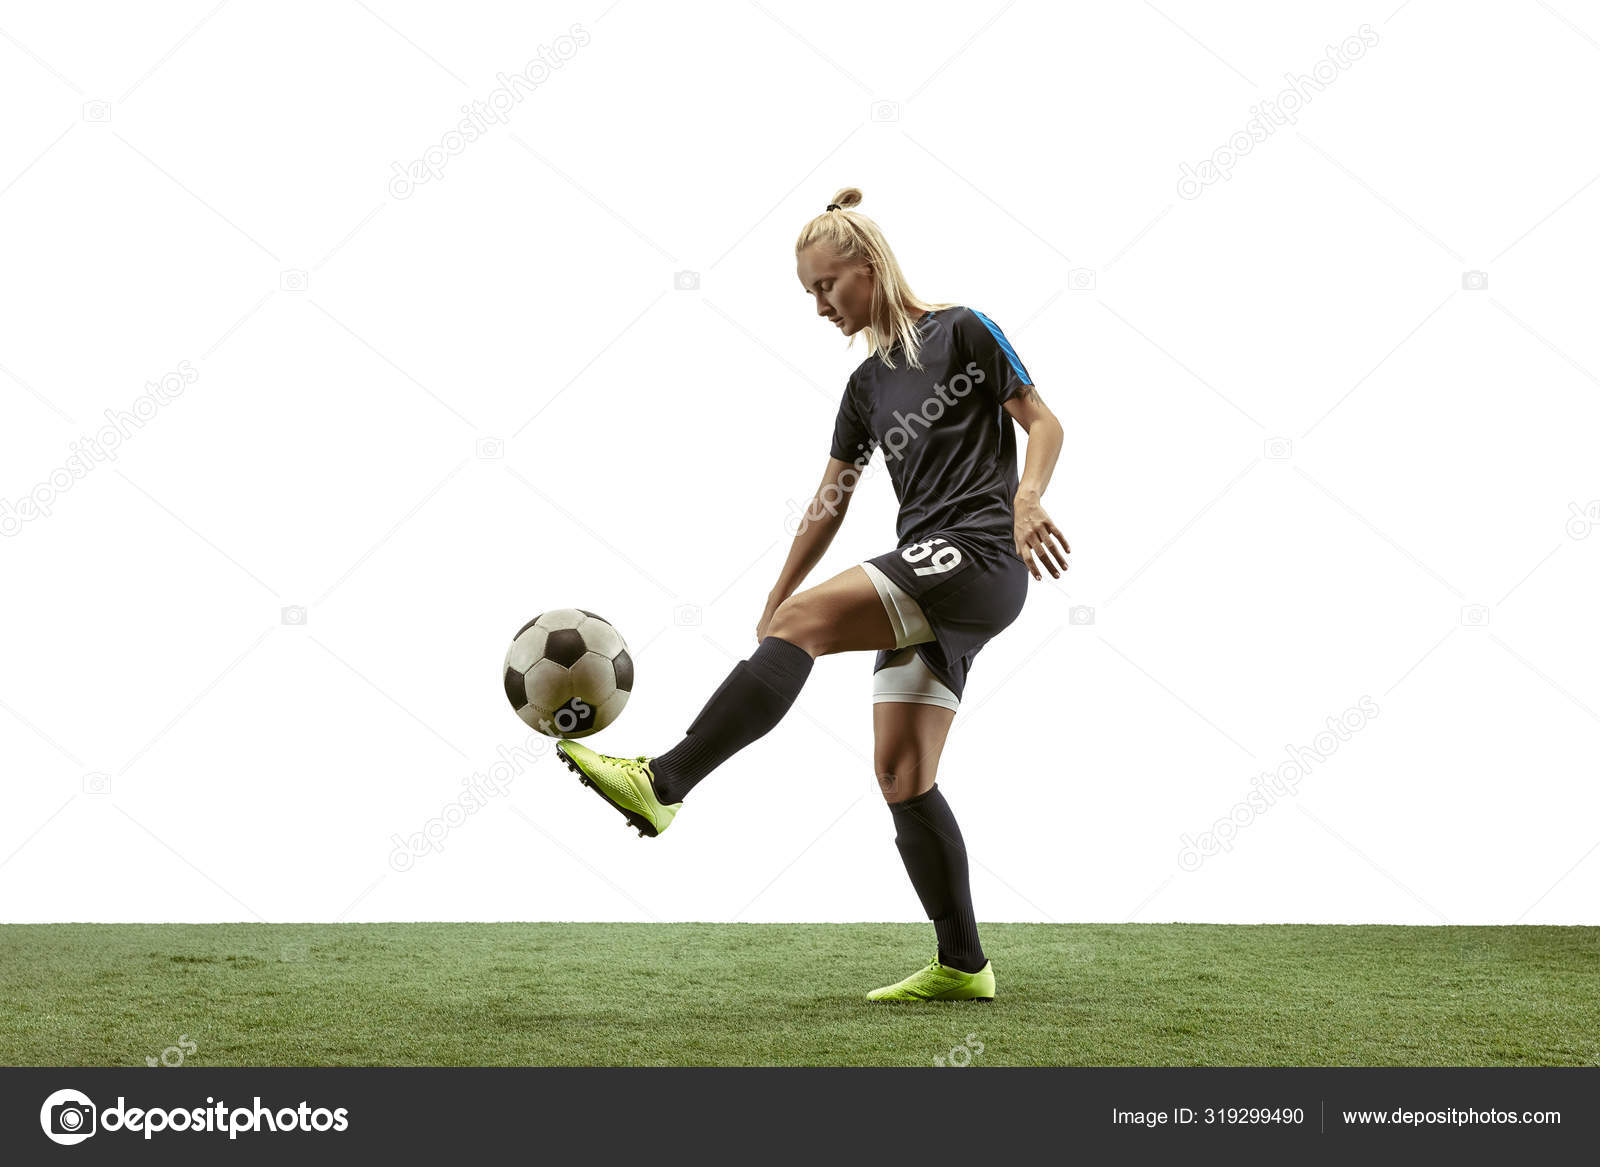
(750, 701)
(936, 859)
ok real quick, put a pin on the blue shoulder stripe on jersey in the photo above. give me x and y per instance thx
(1005, 345)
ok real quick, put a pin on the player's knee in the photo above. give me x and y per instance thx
(798, 622)
(898, 783)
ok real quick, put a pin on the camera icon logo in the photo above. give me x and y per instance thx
(686, 615)
(294, 614)
(97, 784)
(98, 110)
(68, 1117)
(1475, 616)
(490, 449)
(1081, 279)
(294, 953)
(294, 281)
(1080, 614)
(1474, 281)
(886, 111)
(1278, 449)
(686, 281)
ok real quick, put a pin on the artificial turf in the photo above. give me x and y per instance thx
(456, 994)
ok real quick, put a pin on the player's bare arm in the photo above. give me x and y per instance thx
(1034, 529)
(817, 525)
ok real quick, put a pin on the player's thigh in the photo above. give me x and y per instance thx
(907, 739)
(842, 614)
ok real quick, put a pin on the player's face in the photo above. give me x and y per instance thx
(841, 289)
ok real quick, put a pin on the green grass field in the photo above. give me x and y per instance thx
(792, 994)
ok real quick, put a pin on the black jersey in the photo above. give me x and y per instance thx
(950, 447)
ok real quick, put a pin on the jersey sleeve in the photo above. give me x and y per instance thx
(852, 440)
(981, 340)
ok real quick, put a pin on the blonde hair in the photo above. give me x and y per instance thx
(895, 307)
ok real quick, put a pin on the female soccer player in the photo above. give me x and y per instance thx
(933, 393)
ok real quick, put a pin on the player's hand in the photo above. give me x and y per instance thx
(1034, 532)
(773, 600)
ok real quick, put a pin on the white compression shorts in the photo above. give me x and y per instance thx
(906, 676)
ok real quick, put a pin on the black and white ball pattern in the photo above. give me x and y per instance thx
(568, 673)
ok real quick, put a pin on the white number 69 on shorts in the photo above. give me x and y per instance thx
(946, 558)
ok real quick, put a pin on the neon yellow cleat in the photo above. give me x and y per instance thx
(939, 982)
(626, 783)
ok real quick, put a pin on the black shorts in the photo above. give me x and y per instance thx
(964, 592)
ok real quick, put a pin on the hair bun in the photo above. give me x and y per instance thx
(845, 198)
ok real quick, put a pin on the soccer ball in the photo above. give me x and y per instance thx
(568, 673)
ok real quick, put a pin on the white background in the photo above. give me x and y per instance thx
(173, 750)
